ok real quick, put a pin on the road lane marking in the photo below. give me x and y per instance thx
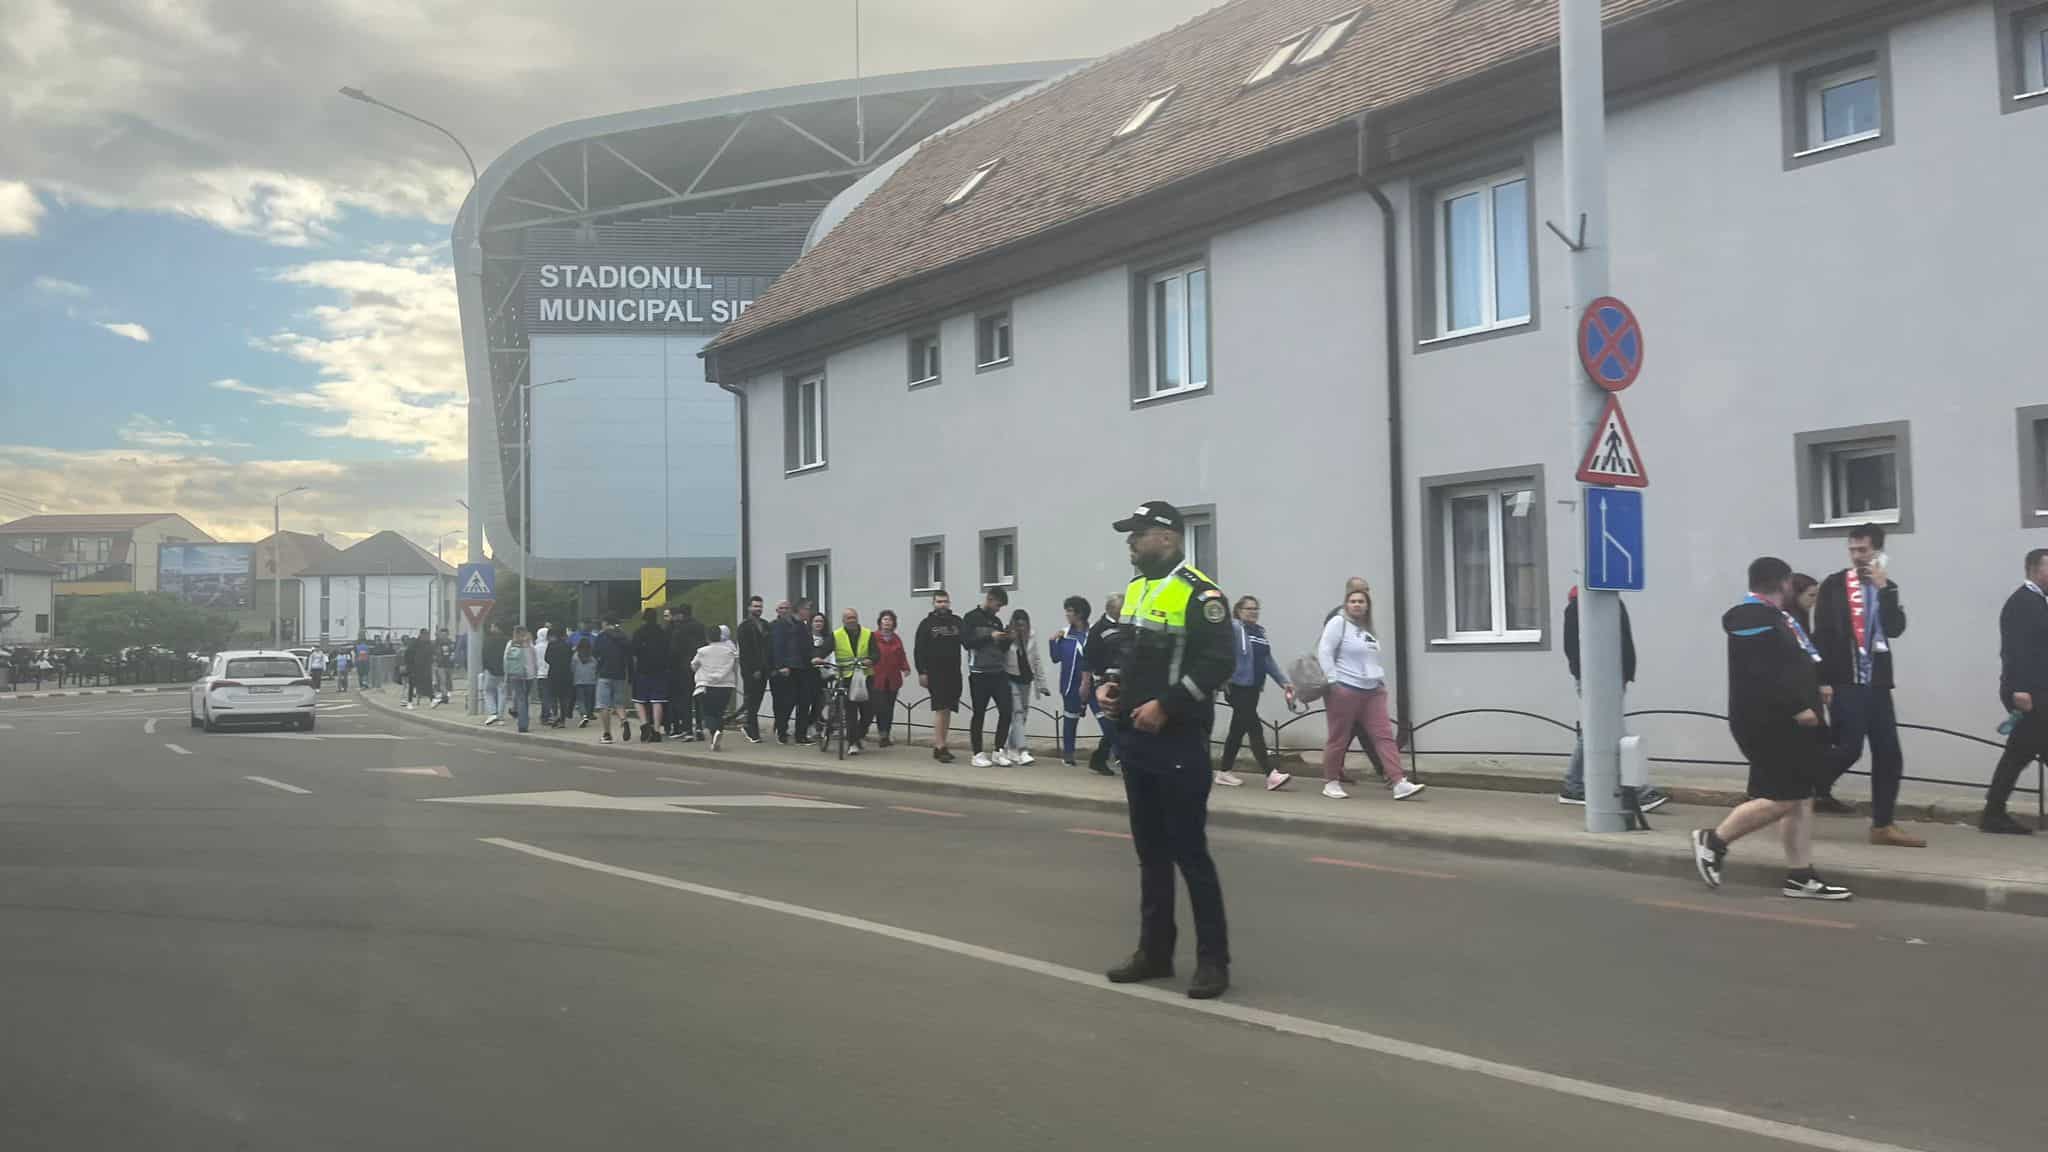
(1103, 832)
(67, 733)
(1256, 1017)
(678, 780)
(440, 770)
(575, 798)
(923, 811)
(280, 785)
(595, 768)
(1363, 865)
(797, 795)
(6, 727)
(180, 751)
(1776, 917)
(149, 726)
(532, 759)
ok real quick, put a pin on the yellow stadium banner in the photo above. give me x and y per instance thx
(653, 587)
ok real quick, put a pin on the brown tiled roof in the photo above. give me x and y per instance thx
(92, 522)
(1058, 161)
(378, 554)
(13, 559)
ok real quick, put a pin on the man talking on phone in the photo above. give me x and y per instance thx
(1854, 623)
(1174, 651)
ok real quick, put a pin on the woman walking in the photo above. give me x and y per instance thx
(519, 668)
(1350, 657)
(1026, 672)
(892, 667)
(1255, 664)
(583, 676)
(819, 657)
(717, 672)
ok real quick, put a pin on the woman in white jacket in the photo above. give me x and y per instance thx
(717, 666)
(1350, 657)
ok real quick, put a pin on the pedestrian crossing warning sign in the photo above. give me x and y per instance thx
(1612, 457)
(476, 582)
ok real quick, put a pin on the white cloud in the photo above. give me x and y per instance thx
(52, 286)
(20, 209)
(145, 431)
(231, 499)
(135, 332)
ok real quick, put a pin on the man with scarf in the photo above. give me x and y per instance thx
(1854, 622)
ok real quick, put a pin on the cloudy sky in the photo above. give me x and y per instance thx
(219, 279)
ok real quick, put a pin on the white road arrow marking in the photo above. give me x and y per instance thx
(178, 750)
(280, 785)
(694, 805)
(424, 770)
(149, 726)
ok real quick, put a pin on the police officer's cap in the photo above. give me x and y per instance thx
(1152, 514)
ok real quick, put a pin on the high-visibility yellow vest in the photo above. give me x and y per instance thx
(1157, 611)
(843, 649)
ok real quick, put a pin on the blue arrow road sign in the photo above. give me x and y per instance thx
(1614, 539)
(476, 582)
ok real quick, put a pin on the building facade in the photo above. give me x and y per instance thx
(28, 601)
(104, 553)
(1313, 295)
(383, 587)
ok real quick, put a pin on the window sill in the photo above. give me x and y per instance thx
(1474, 333)
(1170, 394)
(925, 382)
(1009, 585)
(1834, 145)
(926, 591)
(819, 466)
(1852, 521)
(993, 365)
(2027, 97)
(1505, 639)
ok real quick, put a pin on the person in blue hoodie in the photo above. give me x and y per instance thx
(1255, 665)
(1774, 714)
(1070, 652)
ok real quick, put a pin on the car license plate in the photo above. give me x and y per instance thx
(266, 691)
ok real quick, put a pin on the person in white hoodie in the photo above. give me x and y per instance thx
(717, 668)
(1350, 657)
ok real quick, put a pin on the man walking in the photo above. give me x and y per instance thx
(987, 641)
(1774, 714)
(2022, 679)
(789, 659)
(1102, 650)
(685, 636)
(1575, 771)
(493, 678)
(852, 644)
(1855, 621)
(1175, 652)
(444, 667)
(752, 638)
(614, 656)
(316, 666)
(935, 652)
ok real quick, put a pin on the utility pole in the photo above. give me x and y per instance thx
(1583, 95)
(277, 571)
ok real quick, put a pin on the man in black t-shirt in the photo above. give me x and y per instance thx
(936, 655)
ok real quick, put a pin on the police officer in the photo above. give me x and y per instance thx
(1174, 652)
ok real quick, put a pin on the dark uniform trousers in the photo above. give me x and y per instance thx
(2027, 743)
(1167, 780)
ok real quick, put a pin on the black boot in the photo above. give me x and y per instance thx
(1140, 967)
(1211, 980)
(1827, 805)
(2001, 821)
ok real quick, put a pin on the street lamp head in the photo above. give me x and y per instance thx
(356, 94)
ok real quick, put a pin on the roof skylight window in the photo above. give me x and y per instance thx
(1328, 37)
(1276, 61)
(1145, 112)
(972, 182)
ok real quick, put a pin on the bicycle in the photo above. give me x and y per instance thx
(832, 713)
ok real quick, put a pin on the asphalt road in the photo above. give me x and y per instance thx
(245, 940)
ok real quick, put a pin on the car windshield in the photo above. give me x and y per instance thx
(260, 667)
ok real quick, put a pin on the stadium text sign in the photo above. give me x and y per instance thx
(636, 295)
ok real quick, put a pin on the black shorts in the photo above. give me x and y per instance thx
(1783, 764)
(945, 694)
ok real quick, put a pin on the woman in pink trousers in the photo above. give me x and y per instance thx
(1350, 657)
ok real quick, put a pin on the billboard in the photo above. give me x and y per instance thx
(215, 576)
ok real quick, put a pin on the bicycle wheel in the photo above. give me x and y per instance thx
(831, 721)
(845, 724)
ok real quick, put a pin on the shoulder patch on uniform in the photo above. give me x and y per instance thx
(1213, 608)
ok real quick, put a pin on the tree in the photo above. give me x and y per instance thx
(110, 628)
(712, 603)
(545, 600)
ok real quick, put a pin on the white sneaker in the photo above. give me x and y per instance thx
(853, 749)
(1003, 758)
(490, 720)
(1407, 788)
(1335, 791)
(1021, 757)
(1230, 779)
(1276, 780)
(981, 760)
(715, 737)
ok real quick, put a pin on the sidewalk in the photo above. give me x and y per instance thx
(122, 690)
(1961, 867)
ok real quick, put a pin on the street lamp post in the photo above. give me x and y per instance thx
(526, 487)
(444, 536)
(277, 568)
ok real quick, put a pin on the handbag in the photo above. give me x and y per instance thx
(1310, 685)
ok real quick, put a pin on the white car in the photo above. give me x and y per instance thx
(256, 686)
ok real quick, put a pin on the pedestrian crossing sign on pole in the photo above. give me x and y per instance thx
(475, 582)
(1612, 458)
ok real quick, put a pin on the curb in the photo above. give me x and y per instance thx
(59, 695)
(2017, 897)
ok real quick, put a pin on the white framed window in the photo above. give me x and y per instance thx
(999, 558)
(1198, 538)
(1177, 330)
(804, 422)
(1492, 563)
(1272, 64)
(972, 182)
(810, 578)
(1482, 255)
(1844, 107)
(992, 339)
(2033, 40)
(1146, 111)
(2022, 55)
(1859, 484)
(1327, 38)
(103, 549)
(927, 565)
(924, 358)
